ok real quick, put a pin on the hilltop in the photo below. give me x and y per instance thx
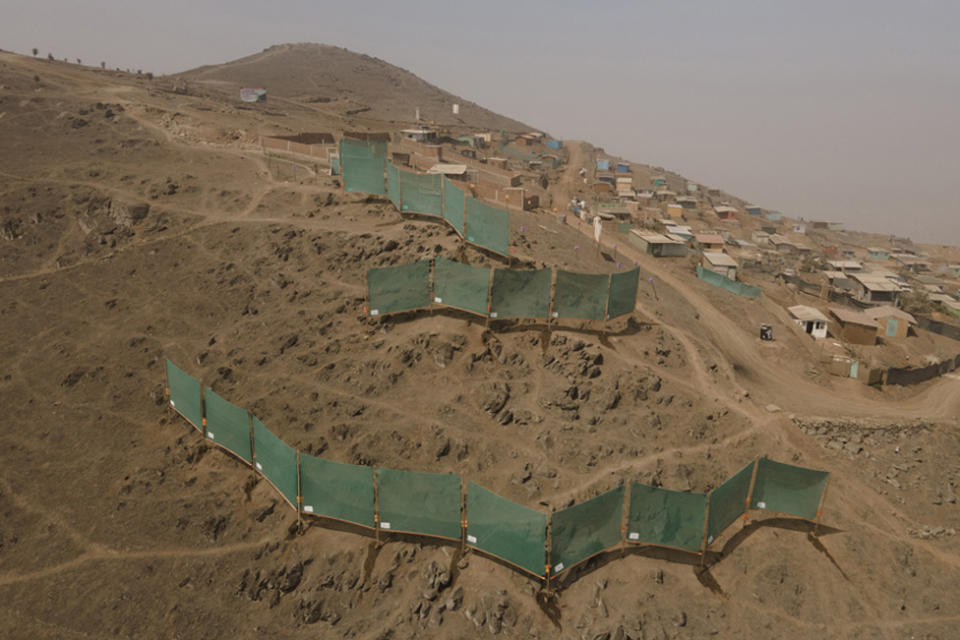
(348, 83)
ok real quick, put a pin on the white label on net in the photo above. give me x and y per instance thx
(710, 539)
(210, 435)
(493, 314)
(634, 536)
(761, 505)
(259, 467)
(472, 539)
(307, 508)
(374, 312)
(384, 525)
(173, 404)
(557, 568)
(556, 314)
(438, 299)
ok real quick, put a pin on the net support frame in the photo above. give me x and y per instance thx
(376, 507)
(753, 483)
(547, 548)
(706, 522)
(823, 497)
(299, 496)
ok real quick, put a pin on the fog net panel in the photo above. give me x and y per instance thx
(728, 502)
(276, 460)
(454, 204)
(228, 425)
(623, 293)
(393, 184)
(401, 288)
(421, 193)
(520, 293)
(488, 227)
(424, 503)
(585, 529)
(666, 518)
(362, 167)
(580, 295)
(461, 285)
(788, 489)
(186, 395)
(506, 529)
(337, 490)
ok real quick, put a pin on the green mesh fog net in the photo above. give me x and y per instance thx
(425, 503)
(788, 489)
(420, 193)
(585, 529)
(276, 460)
(520, 293)
(337, 490)
(580, 295)
(454, 203)
(363, 166)
(488, 227)
(185, 395)
(623, 293)
(666, 518)
(228, 425)
(393, 184)
(461, 286)
(363, 149)
(728, 502)
(401, 288)
(506, 529)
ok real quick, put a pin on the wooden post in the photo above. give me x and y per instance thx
(606, 305)
(343, 174)
(399, 191)
(376, 508)
(625, 519)
(166, 384)
(465, 213)
(464, 234)
(203, 411)
(299, 497)
(463, 518)
(553, 291)
(253, 455)
(547, 550)
(366, 285)
(753, 481)
(489, 299)
(706, 521)
(823, 497)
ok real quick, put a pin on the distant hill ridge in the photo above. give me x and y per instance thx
(357, 83)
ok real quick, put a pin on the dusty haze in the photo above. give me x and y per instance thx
(819, 110)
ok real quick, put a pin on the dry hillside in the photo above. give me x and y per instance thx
(137, 224)
(347, 83)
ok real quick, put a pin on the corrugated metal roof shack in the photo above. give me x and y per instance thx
(719, 263)
(657, 245)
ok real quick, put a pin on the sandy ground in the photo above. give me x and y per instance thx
(153, 232)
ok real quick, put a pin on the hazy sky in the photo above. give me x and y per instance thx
(847, 111)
